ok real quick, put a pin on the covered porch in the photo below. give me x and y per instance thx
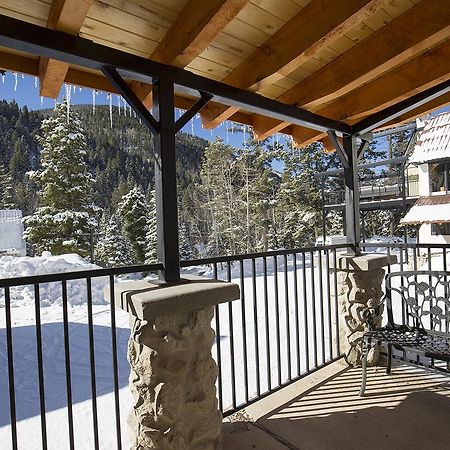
(269, 332)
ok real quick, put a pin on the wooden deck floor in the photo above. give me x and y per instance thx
(408, 410)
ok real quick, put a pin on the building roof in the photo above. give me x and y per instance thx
(433, 141)
(432, 209)
(344, 60)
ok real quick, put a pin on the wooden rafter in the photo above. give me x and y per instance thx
(195, 28)
(422, 26)
(67, 16)
(408, 79)
(312, 29)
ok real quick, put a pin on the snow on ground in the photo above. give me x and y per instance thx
(276, 324)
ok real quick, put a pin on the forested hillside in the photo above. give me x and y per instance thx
(118, 156)
(231, 200)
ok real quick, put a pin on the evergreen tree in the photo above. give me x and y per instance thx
(186, 251)
(113, 248)
(151, 255)
(133, 212)
(20, 161)
(7, 200)
(63, 221)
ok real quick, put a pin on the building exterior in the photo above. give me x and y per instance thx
(431, 156)
(11, 233)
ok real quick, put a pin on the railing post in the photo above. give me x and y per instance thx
(166, 180)
(352, 213)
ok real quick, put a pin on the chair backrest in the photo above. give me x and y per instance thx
(425, 299)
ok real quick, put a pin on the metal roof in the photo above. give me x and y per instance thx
(433, 142)
(432, 209)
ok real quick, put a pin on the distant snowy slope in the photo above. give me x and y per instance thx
(50, 293)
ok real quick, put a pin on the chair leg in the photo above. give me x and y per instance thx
(389, 360)
(364, 355)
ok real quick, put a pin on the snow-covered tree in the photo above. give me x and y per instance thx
(133, 211)
(186, 251)
(113, 248)
(65, 216)
(151, 255)
(6, 190)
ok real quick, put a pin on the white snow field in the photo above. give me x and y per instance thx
(315, 343)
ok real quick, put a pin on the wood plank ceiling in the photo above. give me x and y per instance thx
(343, 59)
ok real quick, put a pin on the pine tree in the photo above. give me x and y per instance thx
(186, 251)
(7, 200)
(65, 216)
(133, 211)
(151, 255)
(113, 248)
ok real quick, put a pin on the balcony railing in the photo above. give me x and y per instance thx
(64, 373)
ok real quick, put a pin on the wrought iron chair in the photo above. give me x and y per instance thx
(424, 312)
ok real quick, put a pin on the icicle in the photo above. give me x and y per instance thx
(276, 136)
(68, 91)
(3, 77)
(109, 96)
(15, 83)
(22, 77)
(94, 93)
(226, 130)
(192, 127)
(79, 89)
(119, 103)
(35, 82)
(42, 100)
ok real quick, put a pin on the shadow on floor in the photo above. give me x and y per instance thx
(408, 410)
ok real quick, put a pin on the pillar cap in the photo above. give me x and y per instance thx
(364, 262)
(148, 299)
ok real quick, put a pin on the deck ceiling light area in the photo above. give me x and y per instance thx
(298, 67)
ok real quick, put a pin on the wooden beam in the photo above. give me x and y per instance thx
(416, 75)
(312, 29)
(419, 28)
(67, 16)
(197, 25)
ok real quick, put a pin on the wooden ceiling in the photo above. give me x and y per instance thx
(342, 59)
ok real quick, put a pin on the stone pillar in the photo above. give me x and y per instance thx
(173, 373)
(359, 282)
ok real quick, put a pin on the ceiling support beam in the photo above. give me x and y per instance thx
(419, 28)
(410, 78)
(193, 110)
(394, 111)
(41, 41)
(195, 28)
(312, 29)
(67, 16)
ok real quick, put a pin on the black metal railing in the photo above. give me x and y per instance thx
(282, 328)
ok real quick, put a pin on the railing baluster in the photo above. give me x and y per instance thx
(297, 319)
(115, 363)
(322, 317)
(218, 349)
(288, 321)
(336, 304)
(305, 311)
(9, 346)
(244, 327)
(92, 363)
(330, 331)
(266, 314)
(277, 317)
(256, 329)
(67, 361)
(37, 310)
(313, 302)
(231, 328)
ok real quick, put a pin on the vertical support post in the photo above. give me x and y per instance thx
(352, 213)
(166, 180)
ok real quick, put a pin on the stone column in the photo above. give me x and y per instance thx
(173, 373)
(359, 282)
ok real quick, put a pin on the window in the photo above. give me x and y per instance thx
(440, 177)
(440, 229)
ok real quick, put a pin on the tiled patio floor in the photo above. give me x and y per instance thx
(408, 410)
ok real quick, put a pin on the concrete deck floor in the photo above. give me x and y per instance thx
(408, 410)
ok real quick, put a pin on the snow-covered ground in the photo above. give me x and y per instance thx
(313, 315)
